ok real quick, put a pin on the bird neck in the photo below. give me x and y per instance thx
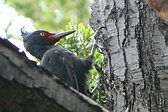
(38, 51)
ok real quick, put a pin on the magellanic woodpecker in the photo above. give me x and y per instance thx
(60, 62)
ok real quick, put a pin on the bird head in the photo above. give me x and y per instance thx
(42, 37)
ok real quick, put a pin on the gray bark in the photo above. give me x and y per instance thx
(133, 41)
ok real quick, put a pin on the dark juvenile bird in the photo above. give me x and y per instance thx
(64, 64)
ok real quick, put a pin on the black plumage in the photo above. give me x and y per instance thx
(64, 64)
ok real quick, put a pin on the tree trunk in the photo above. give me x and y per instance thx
(133, 41)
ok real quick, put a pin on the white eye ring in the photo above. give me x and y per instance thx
(41, 34)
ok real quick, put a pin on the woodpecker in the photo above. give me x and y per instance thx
(160, 7)
(60, 62)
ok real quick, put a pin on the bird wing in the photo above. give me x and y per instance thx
(61, 63)
(72, 74)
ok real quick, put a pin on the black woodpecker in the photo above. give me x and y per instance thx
(62, 63)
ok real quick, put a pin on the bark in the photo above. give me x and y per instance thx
(25, 87)
(134, 42)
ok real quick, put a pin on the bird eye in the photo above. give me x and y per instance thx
(41, 34)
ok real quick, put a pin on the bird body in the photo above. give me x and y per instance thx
(66, 66)
(62, 63)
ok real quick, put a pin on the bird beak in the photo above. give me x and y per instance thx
(53, 38)
(61, 35)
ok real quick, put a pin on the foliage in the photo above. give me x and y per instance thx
(52, 14)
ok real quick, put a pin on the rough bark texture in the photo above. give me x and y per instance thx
(133, 40)
(25, 87)
(17, 98)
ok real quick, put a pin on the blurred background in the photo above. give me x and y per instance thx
(51, 15)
